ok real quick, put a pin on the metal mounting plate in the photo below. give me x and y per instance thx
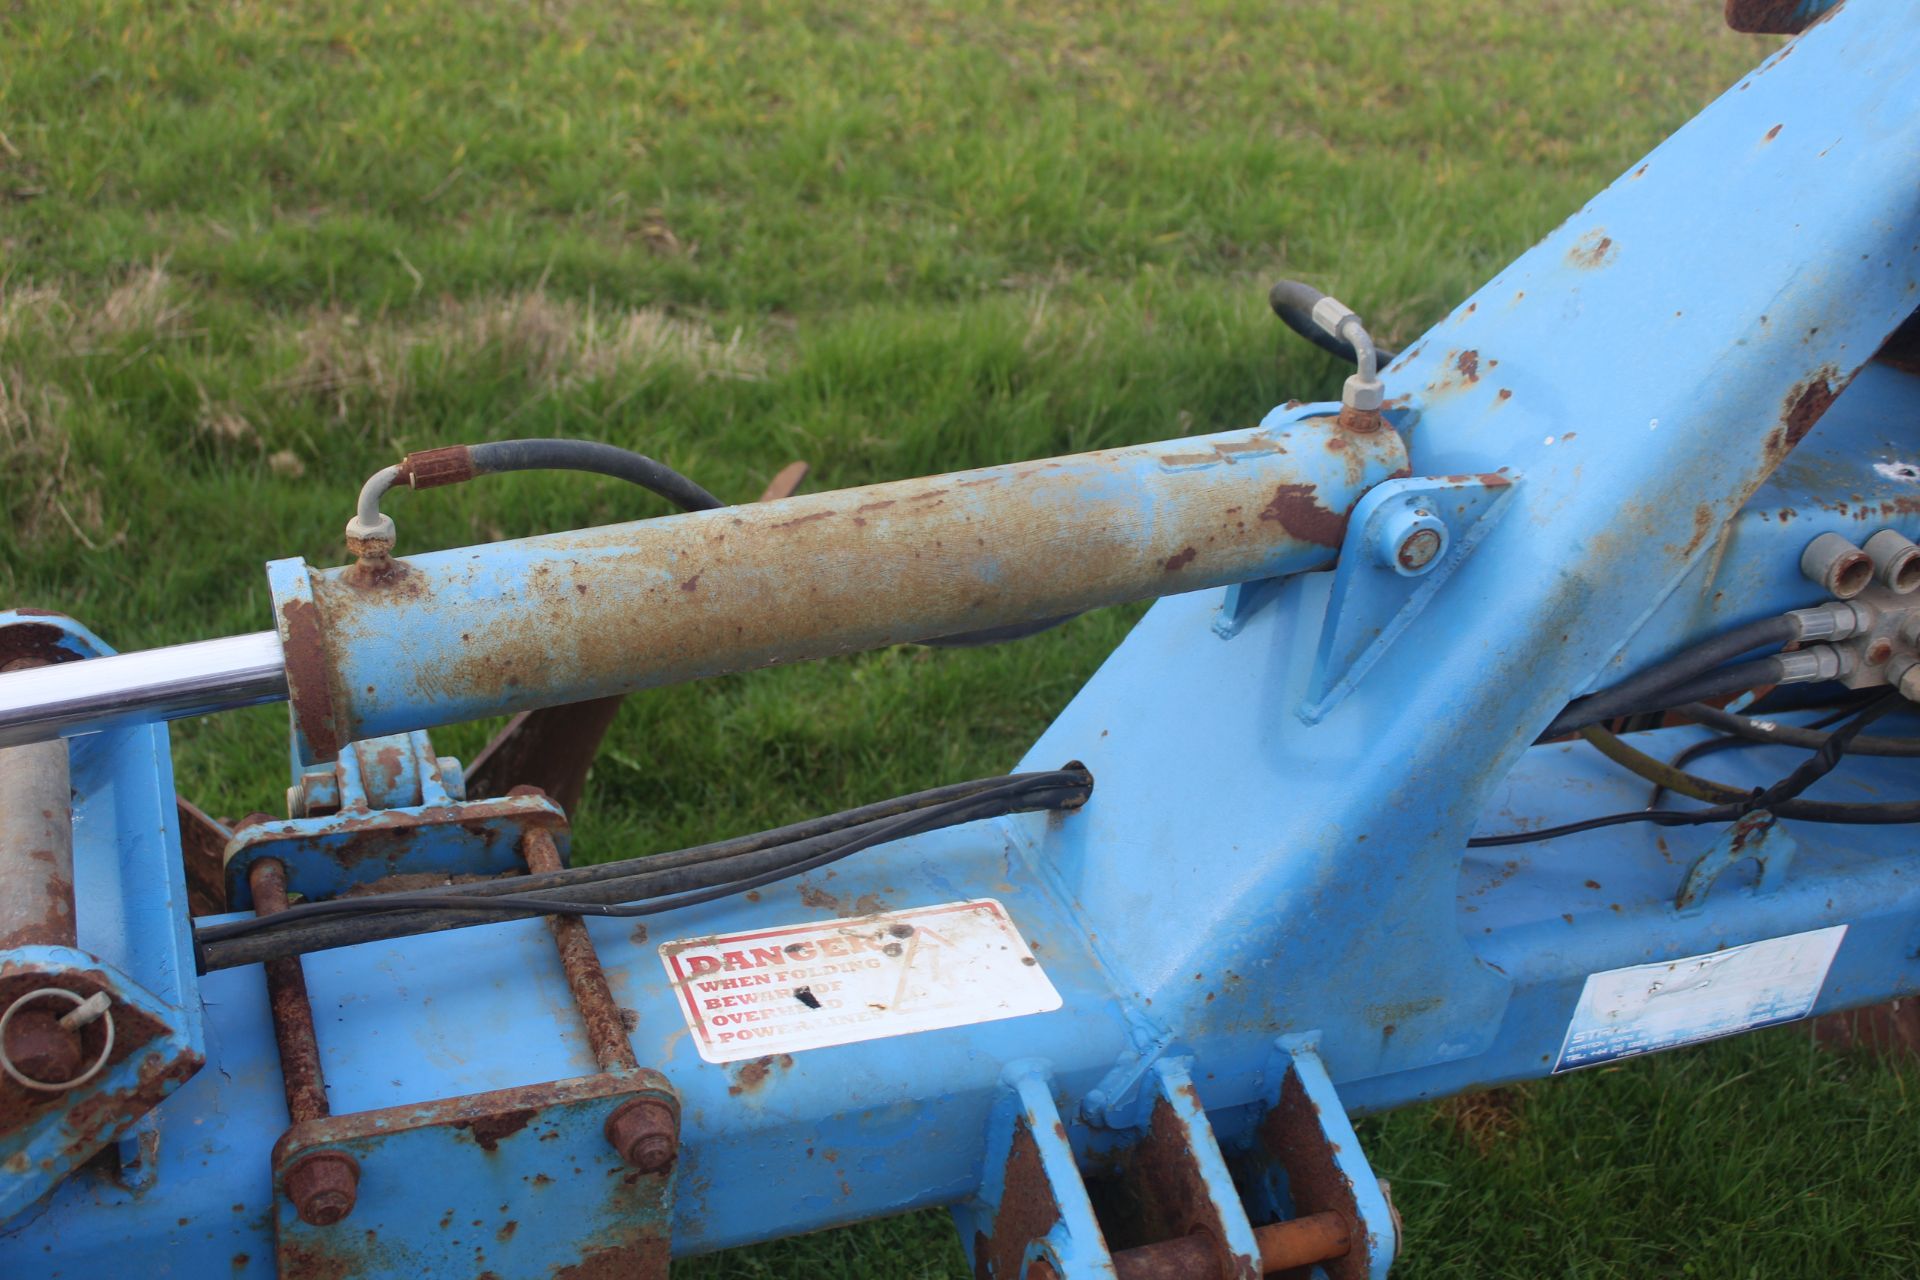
(1371, 603)
(517, 1182)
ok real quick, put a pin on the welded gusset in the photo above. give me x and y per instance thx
(456, 635)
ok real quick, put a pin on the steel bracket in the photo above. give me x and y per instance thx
(1759, 836)
(45, 1136)
(1031, 1218)
(1305, 1159)
(327, 856)
(516, 1182)
(1375, 594)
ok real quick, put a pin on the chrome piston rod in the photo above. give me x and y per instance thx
(181, 680)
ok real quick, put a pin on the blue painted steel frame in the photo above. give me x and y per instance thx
(1242, 880)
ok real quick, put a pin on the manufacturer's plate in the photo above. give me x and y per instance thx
(827, 982)
(1647, 1007)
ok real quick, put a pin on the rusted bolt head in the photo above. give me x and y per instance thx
(646, 1133)
(43, 1049)
(1408, 538)
(1419, 550)
(323, 1187)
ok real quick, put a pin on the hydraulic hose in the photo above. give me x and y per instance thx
(1665, 682)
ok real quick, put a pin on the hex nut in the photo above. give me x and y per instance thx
(646, 1133)
(324, 1187)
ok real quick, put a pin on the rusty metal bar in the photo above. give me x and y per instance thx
(1318, 1237)
(456, 635)
(1284, 1246)
(36, 842)
(323, 1187)
(606, 1027)
(292, 1012)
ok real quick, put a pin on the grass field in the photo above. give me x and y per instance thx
(253, 251)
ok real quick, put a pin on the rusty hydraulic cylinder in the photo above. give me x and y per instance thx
(453, 636)
(36, 844)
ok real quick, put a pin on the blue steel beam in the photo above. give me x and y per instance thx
(1242, 883)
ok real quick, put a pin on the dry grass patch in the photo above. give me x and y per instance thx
(1485, 1119)
(55, 496)
(145, 300)
(553, 343)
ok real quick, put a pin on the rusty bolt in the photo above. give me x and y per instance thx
(646, 1133)
(323, 1187)
(1408, 538)
(1419, 549)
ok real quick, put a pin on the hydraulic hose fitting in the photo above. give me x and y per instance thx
(1332, 325)
(1835, 620)
(1819, 662)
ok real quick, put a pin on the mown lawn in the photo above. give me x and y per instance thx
(253, 251)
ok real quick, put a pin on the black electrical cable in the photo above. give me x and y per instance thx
(592, 456)
(1747, 729)
(695, 875)
(1644, 687)
(1780, 799)
(339, 923)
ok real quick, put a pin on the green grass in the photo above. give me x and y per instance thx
(253, 251)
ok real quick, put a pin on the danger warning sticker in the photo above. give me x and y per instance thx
(829, 982)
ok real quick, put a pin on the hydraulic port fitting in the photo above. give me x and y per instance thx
(370, 533)
(1903, 673)
(1332, 325)
(1842, 569)
(1895, 560)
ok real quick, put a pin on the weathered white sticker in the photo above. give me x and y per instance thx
(806, 986)
(1658, 1006)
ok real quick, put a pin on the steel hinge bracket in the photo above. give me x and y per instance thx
(1404, 539)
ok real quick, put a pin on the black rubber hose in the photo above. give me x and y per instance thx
(592, 456)
(709, 871)
(1293, 303)
(1656, 683)
(1789, 735)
